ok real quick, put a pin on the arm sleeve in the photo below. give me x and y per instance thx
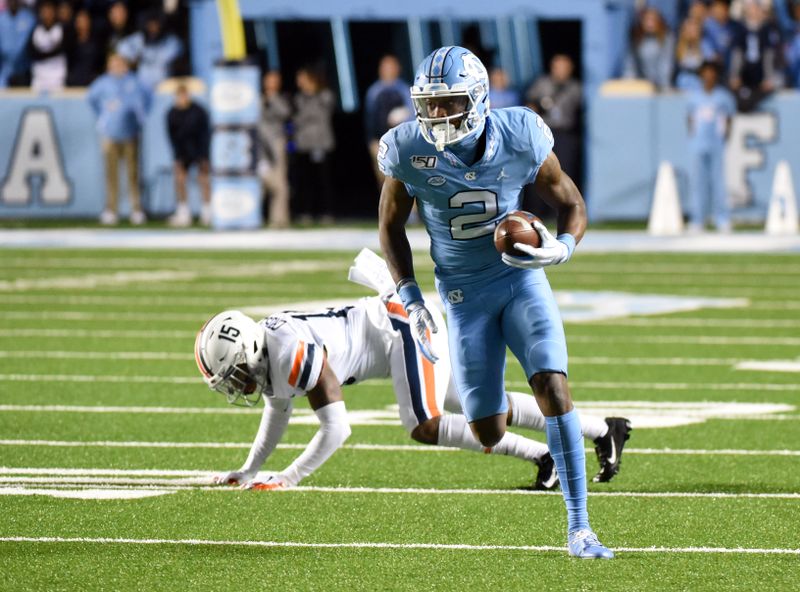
(273, 425)
(334, 429)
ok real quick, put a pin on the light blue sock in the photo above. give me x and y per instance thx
(565, 441)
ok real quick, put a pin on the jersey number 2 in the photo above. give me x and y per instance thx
(469, 226)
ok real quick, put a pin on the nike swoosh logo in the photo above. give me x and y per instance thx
(613, 458)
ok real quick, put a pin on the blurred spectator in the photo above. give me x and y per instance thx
(793, 49)
(710, 110)
(120, 103)
(754, 71)
(720, 32)
(16, 24)
(152, 50)
(698, 11)
(85, 56)
(118, 25)
(689, 55)
(314, 141)
(387, 103)
(500, 93)
(189, 134)
(275, 112)
(65, 13)
(652, 50)
(47, 48)
(557, 97)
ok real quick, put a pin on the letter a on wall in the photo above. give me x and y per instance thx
(36, 152)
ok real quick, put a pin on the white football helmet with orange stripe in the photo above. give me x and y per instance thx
(231, 355)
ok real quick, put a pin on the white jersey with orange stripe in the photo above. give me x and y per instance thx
(362, 341)
(355, 341)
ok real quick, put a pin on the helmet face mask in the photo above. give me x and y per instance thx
(230, 353)
(450, 74)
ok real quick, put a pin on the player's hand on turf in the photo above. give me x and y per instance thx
(552, 251)
(233, 478)
(272, 483)
(421, 322)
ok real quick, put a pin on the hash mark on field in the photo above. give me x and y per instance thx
(383, 545)
(90, 355)
(684, 339)
(372, 447)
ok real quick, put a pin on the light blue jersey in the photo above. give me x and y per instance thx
(459, 204)
(710, 112)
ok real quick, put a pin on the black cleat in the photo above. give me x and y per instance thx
(547, 477)
(609, 448)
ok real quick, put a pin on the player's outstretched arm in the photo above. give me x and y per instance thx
(556, 188)
(326, 401)
(273, 424)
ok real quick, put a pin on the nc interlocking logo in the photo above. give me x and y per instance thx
(455, 296)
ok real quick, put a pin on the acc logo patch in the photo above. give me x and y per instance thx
(436, 180)
(423, 162)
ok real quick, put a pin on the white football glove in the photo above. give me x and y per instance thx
(272, 483)
(421, 321)
(234, 478)
(552, 251)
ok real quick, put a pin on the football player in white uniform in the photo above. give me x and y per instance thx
(293, 354)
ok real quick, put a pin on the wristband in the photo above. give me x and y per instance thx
(409, 291)
(568, 240)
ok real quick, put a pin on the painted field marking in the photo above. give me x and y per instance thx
(588, 384)
(704, 323)
(124, 278)
(643, 414)
(602, 339)
(202, 483)
(87, 494)
(684, 339)
(396, 546)
(94, 355)
(157, 355)
(372, 447)
(769, 365)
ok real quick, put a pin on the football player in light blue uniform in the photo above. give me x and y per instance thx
(465, 167)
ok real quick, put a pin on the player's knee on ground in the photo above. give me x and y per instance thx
(552, 393)
(489, 430)
(427, 432)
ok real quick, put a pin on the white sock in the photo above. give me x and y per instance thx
(454, 431)
(593, 427)
(514, 445)
(525, 413)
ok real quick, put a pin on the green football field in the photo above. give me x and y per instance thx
(108, 437)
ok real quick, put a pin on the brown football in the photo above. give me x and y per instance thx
(516, 227)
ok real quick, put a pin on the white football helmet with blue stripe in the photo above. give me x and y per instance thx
(457, 73)
(231, 354)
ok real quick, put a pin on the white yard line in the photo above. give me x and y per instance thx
(126, 278)
(156, 355)
(682, 386)
(202, 480)
(371, 447)
(394, 546)
(683, 339)
(100, 333)
(671, 386)
(94, 355)
(721, 323)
